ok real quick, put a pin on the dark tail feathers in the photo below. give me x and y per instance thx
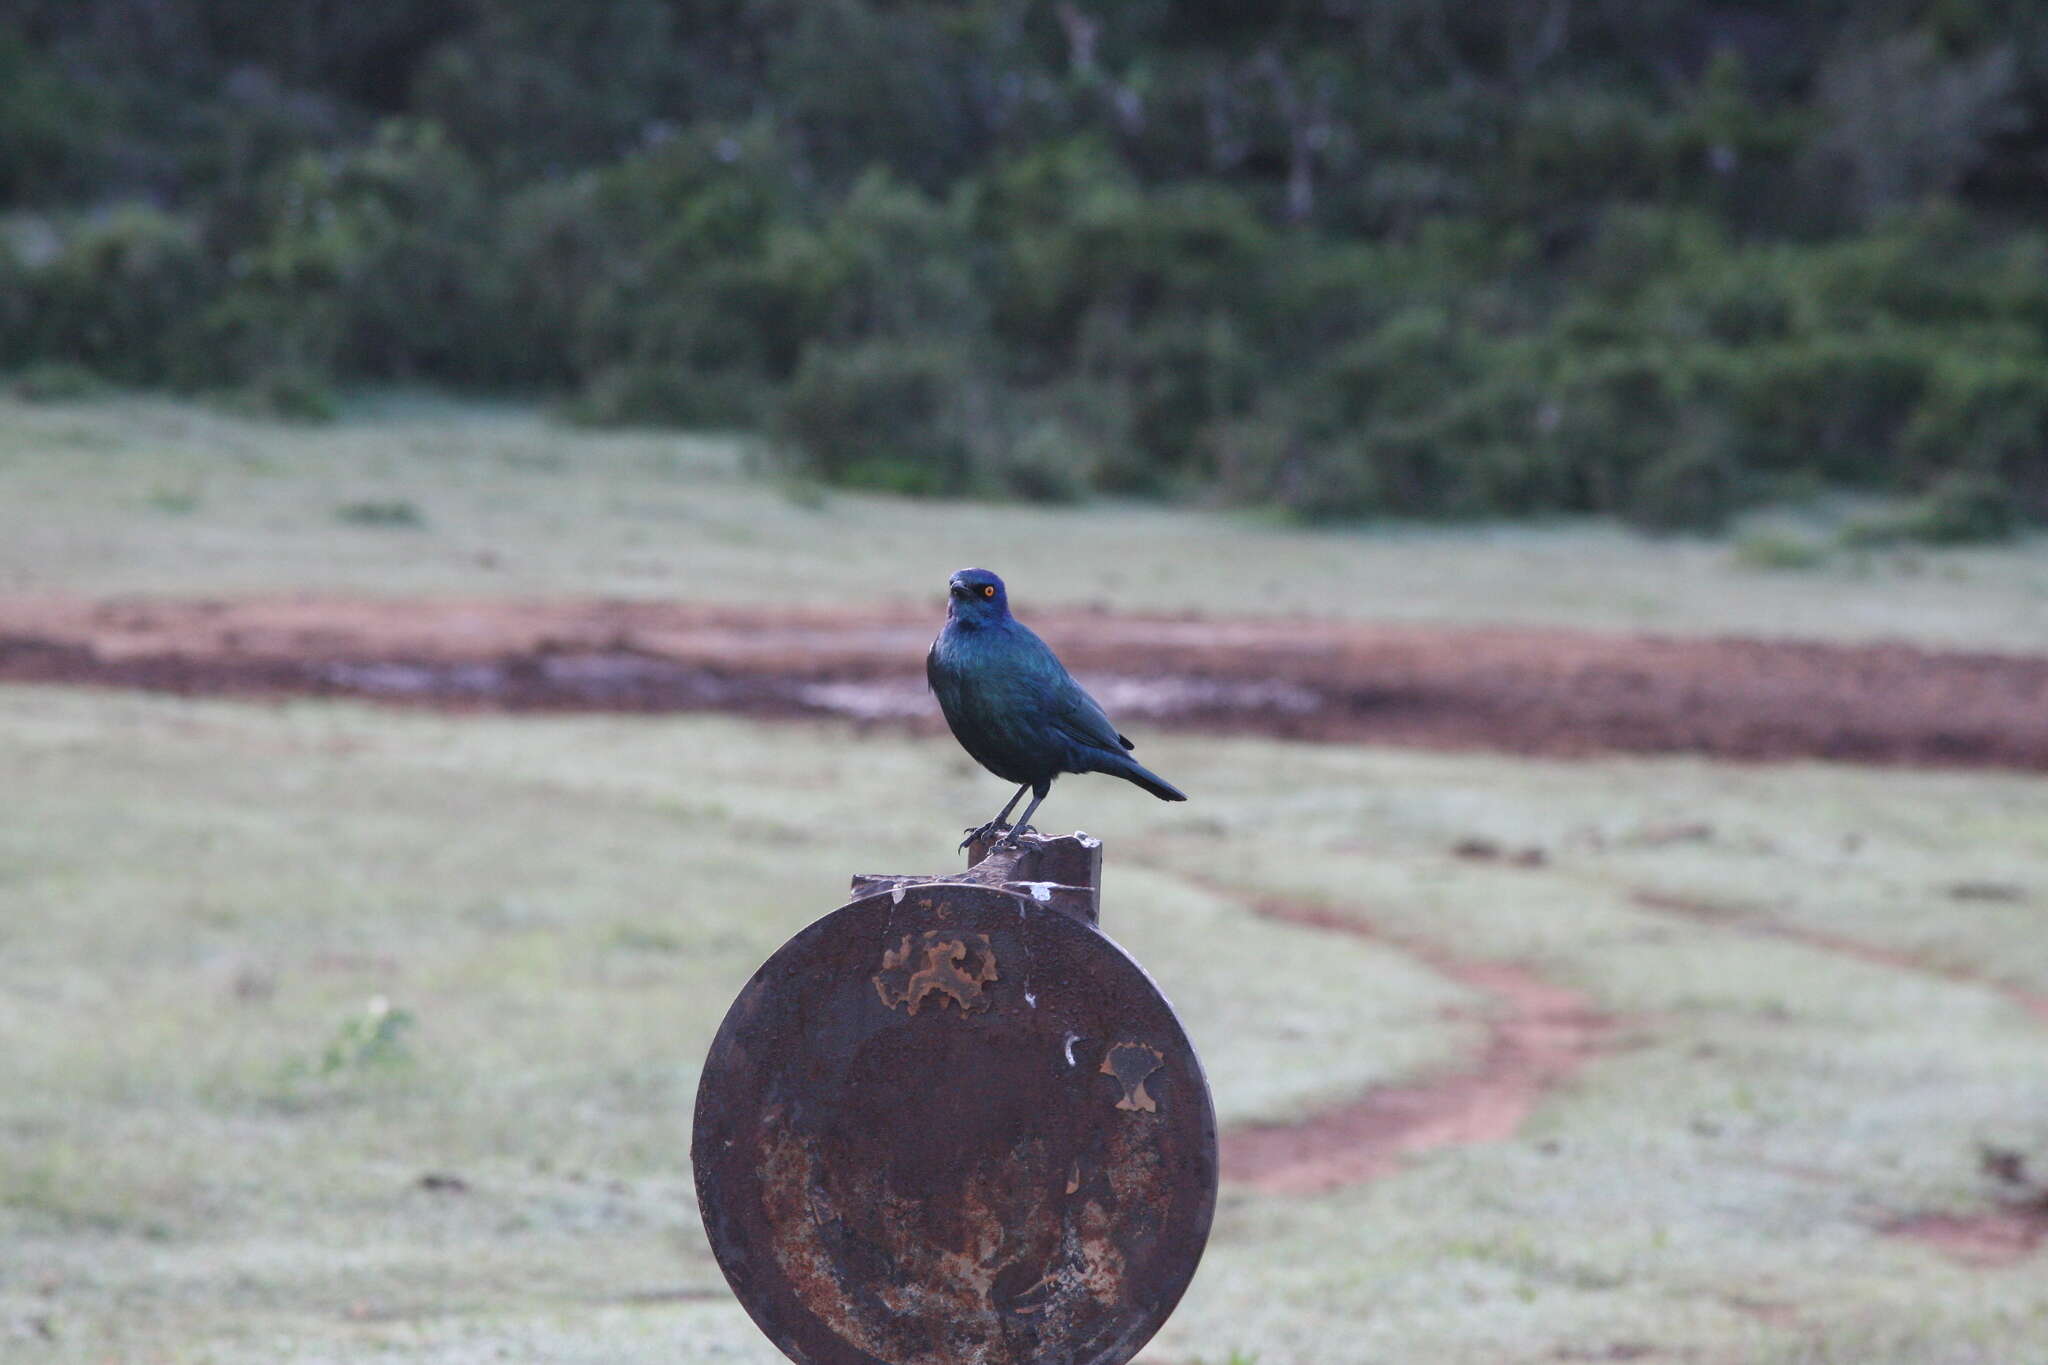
(1130, 770)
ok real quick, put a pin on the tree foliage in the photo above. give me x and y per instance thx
(1406, 257)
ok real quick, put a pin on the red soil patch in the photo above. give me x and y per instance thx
(2033, 1002)
(1773, 1311)
(2011, 1231)
(1982, 1241)
(1522, 691)
(1538, 1035)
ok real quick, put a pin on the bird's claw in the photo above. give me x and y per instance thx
(1009, 833)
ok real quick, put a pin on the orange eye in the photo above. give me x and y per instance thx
(988, 590)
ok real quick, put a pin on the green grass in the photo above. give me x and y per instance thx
(393, 512)
(409, 495)
(1777, 552)
(264, 967)
(200, 902)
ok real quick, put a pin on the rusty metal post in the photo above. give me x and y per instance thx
(951, 1123)
(1065, 873)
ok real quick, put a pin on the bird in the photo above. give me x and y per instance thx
(1014, 707)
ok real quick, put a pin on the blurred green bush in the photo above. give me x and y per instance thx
(1658, 262)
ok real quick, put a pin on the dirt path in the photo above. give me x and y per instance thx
(2016, 1226)
(1521, 691)
(1750, 922)
(1538, 1036)
(1982, 1241)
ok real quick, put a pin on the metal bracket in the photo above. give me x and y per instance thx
(1063, 871)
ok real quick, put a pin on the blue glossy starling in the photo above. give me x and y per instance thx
(1014, 707)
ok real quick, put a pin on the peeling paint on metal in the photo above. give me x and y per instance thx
(1132, 1064)
(952, 966)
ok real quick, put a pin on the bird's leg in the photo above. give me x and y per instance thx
(984, 831)
(1024, 823)
(1004, 814)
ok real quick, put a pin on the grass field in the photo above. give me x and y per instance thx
(413, 496)
(266, 968)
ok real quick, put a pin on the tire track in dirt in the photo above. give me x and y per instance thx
(1750, 922)
(1551, 692)
(1980, 1241)
(1538, 1035)
(2017, 1225)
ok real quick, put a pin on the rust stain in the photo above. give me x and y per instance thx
(802, 1194)
(1132, 1064)
(1136, 1175)
(944, 968)
(1098, 1264)
(950, 1285)
(789, 1170)
(944, 1301)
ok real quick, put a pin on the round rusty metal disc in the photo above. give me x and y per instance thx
(955, 1128)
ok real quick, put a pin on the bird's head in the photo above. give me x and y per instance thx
(977, 596)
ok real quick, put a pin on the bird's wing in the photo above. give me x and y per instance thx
(1015, 697)
(1064, 703)
(1071, 710)
(1082, 718)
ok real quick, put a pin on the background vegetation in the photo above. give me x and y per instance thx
(1407, 257)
